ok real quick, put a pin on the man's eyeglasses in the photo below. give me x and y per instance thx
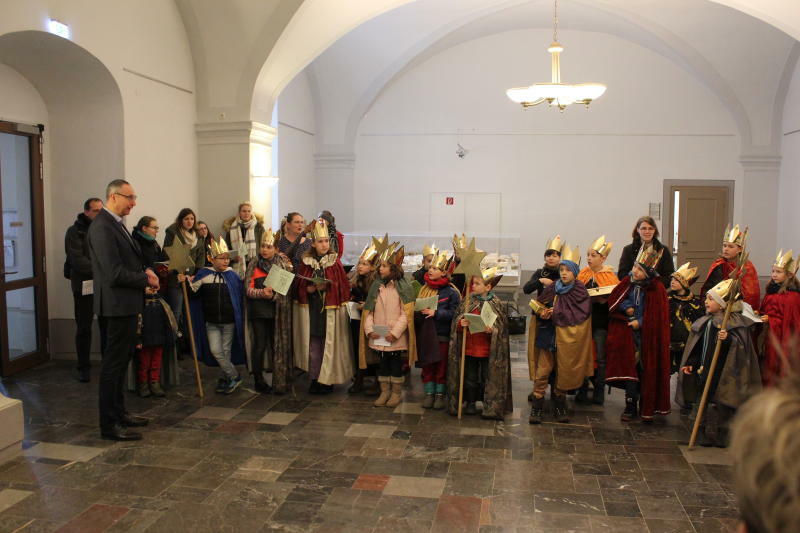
(131, 197)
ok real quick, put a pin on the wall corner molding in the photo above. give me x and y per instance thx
(242, 132)
(335, 161)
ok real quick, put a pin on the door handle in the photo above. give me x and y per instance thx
(6, 273)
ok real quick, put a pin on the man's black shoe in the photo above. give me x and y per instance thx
(132, 421)
(83, 375)
(120, 433)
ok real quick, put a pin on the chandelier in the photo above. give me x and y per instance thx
(555, 93)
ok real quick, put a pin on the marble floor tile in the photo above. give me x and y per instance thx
(707, 456)
(370, 430)
(67, 452)
(409, 408)
(9, 497)
(278, 418)
(374, 482)
(139, 480)
(95, 519)
(215, 413)
(414, 487)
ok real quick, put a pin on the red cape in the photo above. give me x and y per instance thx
(783, 311)
(620, 356)
(751, 290)
(338, 292)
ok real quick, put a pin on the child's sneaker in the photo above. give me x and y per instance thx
(233, 384)
(222, 385)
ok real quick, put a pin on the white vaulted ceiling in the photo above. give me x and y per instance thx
(746, 63)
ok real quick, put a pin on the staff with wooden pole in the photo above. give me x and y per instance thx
(180, 261)
(469, 265)
(732, 294)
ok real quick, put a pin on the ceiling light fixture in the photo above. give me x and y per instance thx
(555, 93)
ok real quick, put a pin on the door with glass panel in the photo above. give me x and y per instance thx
(23, 290)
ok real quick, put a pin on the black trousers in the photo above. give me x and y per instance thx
(120, 342)
(84, 316)
(263, 340)
(476, 370)
(391, 364)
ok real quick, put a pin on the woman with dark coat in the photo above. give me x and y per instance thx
(144, 233)
(645, 233)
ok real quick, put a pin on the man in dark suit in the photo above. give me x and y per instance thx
(119, 282)
(78, 269)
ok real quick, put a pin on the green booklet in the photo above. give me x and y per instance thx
(431, 302)
(279, 280)
(479, 323)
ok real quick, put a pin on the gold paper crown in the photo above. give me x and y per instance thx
(554, 244)
(686, 274)
(394, 253)
(601, 246)
(369, 254)
(490, 276)
(428, 249)
(571, 254)
(441, 260)
(268, 238)
(218, 247)
(786, 261)
(459, 244)
(648, 257)
(319, 229)
(733, 235)
(721, 291)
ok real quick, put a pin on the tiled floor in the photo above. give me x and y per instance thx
(334, 463)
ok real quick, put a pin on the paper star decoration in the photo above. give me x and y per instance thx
(179, 259)
(471, 258)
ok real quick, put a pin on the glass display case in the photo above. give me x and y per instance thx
(502, 251)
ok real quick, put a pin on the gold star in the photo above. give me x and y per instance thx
(179, 259)
(470, 264)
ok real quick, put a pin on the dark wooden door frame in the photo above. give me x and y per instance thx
(39, 280)
(667, 215)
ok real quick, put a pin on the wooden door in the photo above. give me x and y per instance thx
(23, 287)
(700, 221)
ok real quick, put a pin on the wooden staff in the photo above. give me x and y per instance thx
(463, 351)
(734, 289)
(191, 340)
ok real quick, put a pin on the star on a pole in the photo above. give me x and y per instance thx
(471, 258)
(179, 259)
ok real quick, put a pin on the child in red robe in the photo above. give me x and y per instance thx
(722, 268)
(780, 310)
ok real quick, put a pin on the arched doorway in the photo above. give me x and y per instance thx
(81, 150)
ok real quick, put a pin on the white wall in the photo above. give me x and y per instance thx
(156, 143)
(296, 146)
(789, 187)
(581, 173)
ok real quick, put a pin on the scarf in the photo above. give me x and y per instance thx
(145, 236)
(189, 237)
(562, 288)
(436, 284)
(250, 235)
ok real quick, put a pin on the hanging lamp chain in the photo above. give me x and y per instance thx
(555, 21)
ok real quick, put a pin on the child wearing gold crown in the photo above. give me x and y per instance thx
(726, 263)
(780, 310)
(596, 275)
(361, 279)
(637, 347)
(540, 280)
(568, 305)
(736, 376)
(322, 343)
(218, 316)
(487, 369)
(269, 320)
(684, 308)
(390, 307)
(433, 329)
(428, 253)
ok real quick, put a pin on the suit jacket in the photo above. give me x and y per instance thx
(118, 268)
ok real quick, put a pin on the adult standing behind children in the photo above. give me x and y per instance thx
(293, 244)
(78, 269)
(645, 234)
(119, 283)
(184, 229)
(244, 231)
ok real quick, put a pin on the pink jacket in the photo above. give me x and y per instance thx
(388, 312)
